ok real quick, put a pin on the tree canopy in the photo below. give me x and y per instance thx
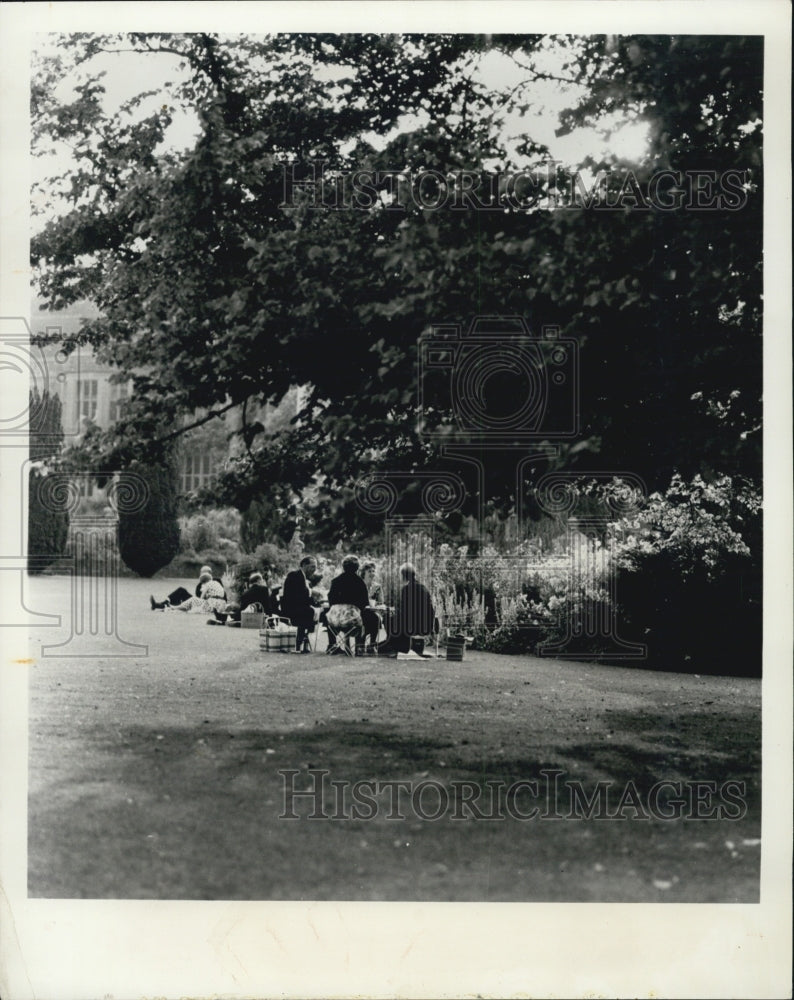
(224, 277)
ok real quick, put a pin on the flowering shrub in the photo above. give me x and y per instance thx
(671, 577)
(521, 623)
(698, 524)
(466, 615)
(688, 576)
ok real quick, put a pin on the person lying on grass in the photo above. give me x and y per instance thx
(180, 595)
(212, 597)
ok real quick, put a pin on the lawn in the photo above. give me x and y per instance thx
(158, 776)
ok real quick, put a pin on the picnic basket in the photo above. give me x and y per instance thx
(277, 636)
(252, 616)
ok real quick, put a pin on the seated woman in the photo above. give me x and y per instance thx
(349, 589)
(180, 595)
(212, 597)
(317, 594)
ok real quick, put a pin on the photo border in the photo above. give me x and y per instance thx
(90, 948)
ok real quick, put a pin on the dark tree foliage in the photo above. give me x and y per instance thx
(48, 528)
(674, 308)
(262, 521)
(214, 291)
(149, 537)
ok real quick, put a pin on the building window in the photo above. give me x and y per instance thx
(87, 396)
(197, 471)
(119, 394)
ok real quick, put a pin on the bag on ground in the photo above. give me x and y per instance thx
(252, 616)
(456, 644)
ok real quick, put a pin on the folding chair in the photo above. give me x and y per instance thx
(344, 623)
(339, 640)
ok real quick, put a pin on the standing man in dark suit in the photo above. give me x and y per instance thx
(296, 601)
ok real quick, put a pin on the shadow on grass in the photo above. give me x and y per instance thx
(715, 747)
(719, 747)
(172, 812)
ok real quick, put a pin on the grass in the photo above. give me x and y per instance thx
(157, 776)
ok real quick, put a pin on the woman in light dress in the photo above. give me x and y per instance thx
(212, 597)
(180, 595)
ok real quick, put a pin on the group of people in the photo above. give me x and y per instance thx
(350, 589)
(210, 598)
(353, 605)
(354, 590)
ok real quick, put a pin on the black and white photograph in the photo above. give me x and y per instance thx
(396, 482)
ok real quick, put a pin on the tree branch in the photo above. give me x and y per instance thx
(148, 48)
(198, 423)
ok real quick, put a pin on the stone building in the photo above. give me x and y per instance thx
(88, 395)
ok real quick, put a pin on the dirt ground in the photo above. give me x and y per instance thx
(158, 775)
